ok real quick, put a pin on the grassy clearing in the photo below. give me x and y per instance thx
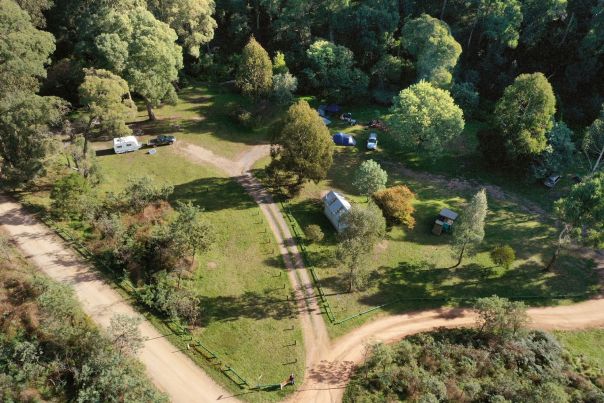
(412, 264)
(247, 320)
(201, 116)
(585, 343)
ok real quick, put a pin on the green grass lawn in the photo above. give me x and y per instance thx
(412, 264)
(247, 319)
(585, 343)
(202, 116)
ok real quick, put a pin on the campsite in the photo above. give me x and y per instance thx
(301, 201)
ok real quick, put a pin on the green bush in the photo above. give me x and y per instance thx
(67, 196)
(503, 256)
(314, 233)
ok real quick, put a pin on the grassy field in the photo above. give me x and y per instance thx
(585, 343)
(411, 265)
(247, 320)
(202, 116)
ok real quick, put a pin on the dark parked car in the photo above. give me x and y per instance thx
(162, 140)
(343, 139)
(551, 181)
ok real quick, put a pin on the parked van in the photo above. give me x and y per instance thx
(125, 144)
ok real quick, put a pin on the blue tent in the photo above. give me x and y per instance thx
(333, 108)
(343, 139)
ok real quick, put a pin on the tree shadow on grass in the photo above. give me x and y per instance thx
(213, 194)
(250, 305)
(420, 285)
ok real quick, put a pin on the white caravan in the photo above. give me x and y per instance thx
(125, 144)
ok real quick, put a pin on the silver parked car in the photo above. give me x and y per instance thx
(551, 181)
(372, 141)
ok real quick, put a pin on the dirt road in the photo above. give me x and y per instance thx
(316, 338)
(171, 370)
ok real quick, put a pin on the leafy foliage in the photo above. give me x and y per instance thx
(24, 50)
(314, 233)
(255, 73)
(140, 192)
(284, 86)
(68, 195)
(466, 96)
(369, 178)
(468, 230)
(49, 349)
(463, 365)
(303, 149)
(524, 115)
(503, 255)
(397, 205)
(332, 74)
(436, 51)
(425, 117)
(363, 229)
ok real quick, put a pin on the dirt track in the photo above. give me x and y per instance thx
(171, 370)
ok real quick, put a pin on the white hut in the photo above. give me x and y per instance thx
(335, 208)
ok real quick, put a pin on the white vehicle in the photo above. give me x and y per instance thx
(372, 141)
(125, 144)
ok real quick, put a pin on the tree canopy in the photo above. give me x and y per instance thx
(304, 148)
(425, 117)
(24, 50)
(468, 230)
(524, 115)
(430, 41)
(255, 73)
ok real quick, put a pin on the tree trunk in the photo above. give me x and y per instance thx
(86, 134)
(597, 163)
(570, 21)
(351, 283)
(442, 11)
(463, 249)
(472, 32)
(558, 248)
(150, 112)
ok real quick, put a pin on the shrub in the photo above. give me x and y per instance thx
(503, 256)
(397, 205)
(284, 85)
(67, 194)
(141, 192)
(370, 178)
(314, 233)
(466, 96)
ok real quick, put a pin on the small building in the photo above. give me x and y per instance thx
(125, 144)
(444, 221)
(336, 206)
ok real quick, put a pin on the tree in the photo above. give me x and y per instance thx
(255, 73)
(103, 93)
(499, 317)
(524, 115)
(134, 45)
(468, 231)
(369, 178)
(582, 214)
(25, 120)
(500, 21)
(284, 85)
(191, 19)
(436, 51)
(314, 233)
(537, 14)
(593, 143)
(36, 9)
(397, 205)
(466, 96)
(425, 117)
(304, 149)
(363, 228)
(190, 233)
(279, 65)
(332, 73)
(503, 255)
(67, 195)
(24, 50)
(558, 153)
(141, 191)
(125, 334)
